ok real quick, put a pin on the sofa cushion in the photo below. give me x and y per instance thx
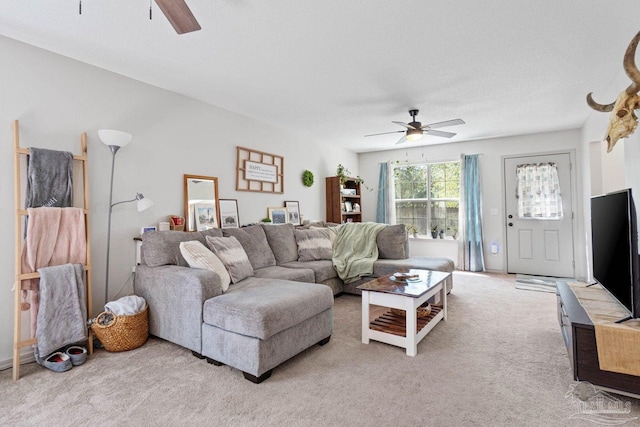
(254, 242)
(232, 255)
(278, 272)
(323, 269)
(392, 242)
(163, 247)
(281, 241)
(263, 307)
(313, 244)
(198, 256)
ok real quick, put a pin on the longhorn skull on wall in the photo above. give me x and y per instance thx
(623, 121)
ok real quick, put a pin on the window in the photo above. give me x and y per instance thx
(428, 196)
(538, 191)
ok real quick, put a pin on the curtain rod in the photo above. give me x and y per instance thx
(436, 160)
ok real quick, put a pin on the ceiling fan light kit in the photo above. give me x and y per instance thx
(416, 130)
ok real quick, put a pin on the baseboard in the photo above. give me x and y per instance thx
(27, 357)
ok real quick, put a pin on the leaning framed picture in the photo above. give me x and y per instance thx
(278, 215)
(293, 207)
(205, 216)
(228, 213)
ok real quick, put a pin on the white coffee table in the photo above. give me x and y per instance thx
(403, 331)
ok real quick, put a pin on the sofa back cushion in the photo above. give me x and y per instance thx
(313, 244)
(163, 247)
(198, 256)
(393, 242)
(254, 242)
(232, 255)
(282, 242)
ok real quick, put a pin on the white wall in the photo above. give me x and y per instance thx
(617, 169)
(56, 99)
(492, 151)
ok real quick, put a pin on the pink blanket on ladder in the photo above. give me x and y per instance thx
(55, 236)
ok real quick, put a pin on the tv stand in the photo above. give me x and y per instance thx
(579, 337)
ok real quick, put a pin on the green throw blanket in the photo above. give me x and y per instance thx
(355, 250)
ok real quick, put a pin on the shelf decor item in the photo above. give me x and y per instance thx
(293, 208)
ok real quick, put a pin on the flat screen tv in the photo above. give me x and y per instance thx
(616, 263)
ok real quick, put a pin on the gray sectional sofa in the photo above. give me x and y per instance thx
(284, 307)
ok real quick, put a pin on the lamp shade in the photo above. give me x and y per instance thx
(143, 203)
(114, 137)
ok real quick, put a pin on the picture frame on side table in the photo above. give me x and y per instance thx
(278, 215)
(229, 217)
(293, 207)
(205, 216)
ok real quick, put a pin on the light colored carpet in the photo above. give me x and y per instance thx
(537, 283)
(499, 360)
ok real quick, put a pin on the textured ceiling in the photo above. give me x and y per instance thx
(333, 71)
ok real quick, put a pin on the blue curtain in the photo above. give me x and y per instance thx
(474, 258)
(383, 202)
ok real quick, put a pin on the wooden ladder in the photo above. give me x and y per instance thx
(18, 342)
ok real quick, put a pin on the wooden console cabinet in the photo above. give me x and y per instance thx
(580, 338)
(338, 202)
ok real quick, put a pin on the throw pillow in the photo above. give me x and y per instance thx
(313, 244)
(232, 255)
(331, 231)
(198, 256)
(393, 243)
(254, 241)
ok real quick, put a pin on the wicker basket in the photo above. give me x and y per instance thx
(422, 311)
(122, 333)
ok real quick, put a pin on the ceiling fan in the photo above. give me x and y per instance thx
(179, 15)
(416, 130)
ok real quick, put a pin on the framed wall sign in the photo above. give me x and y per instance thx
(229, 213)
(293, 208)
(259, 171)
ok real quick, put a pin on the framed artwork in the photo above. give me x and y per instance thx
(229, 213)
(205, 216)
(278, 215)
(347, 206)
(293, 207)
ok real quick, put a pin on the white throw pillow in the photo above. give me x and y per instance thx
(198, 255)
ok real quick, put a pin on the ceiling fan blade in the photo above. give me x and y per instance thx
(179, 15)
(443, 124)
(401, 140)
(385, 133)
(440, 133)
(404, 125)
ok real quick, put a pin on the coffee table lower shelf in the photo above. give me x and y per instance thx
(396, 324)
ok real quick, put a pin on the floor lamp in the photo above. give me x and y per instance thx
(115, 139)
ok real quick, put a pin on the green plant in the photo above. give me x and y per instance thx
(412, 229)
(342, 173)
(307, 178)
(434, 227)
(266, 219)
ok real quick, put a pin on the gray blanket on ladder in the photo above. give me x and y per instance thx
(62, 316)
(49, 179)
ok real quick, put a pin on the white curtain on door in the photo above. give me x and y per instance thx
(538, 191)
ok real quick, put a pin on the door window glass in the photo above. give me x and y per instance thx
(538, 191)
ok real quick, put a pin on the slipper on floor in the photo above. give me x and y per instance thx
(77, 354)
(58, 362)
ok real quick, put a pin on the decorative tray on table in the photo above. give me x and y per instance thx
(405, 277)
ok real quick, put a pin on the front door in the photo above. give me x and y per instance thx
(539, 215)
